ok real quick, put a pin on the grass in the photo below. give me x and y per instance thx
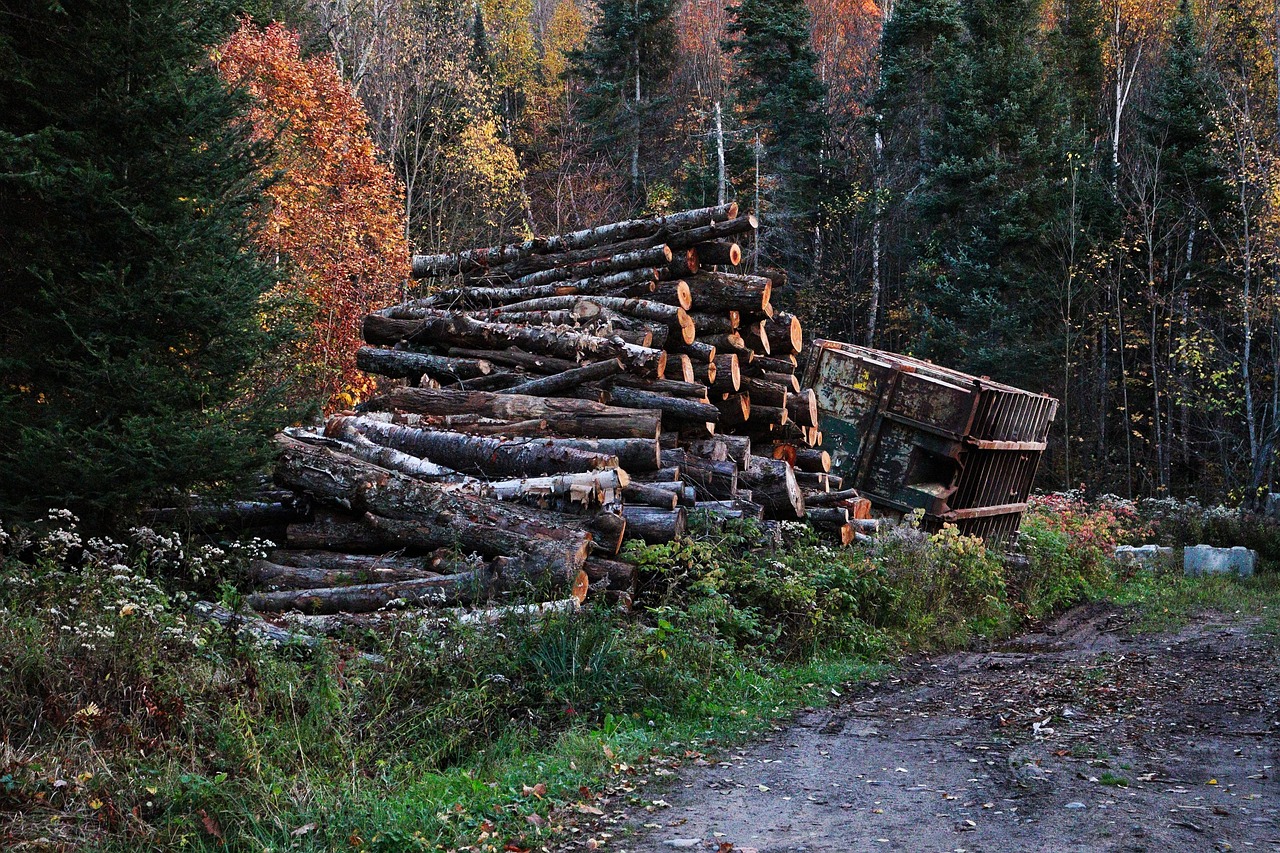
(1167, 602)
(127, 724)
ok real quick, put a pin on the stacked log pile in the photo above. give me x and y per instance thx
(562, 396)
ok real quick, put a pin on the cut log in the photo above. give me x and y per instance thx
(564, 416)
(321, 569)
(803, 408)
(712, 481)
(833, 498)
(635, 455)
(334, 533)
(672, 316)
(829, 517)
(698, 351)
(765, 393)
(731, 509)
(675, 407)
(662, 475)
(813, 459)
(476, 260)
(719, 323)
(672, 387)
(587, 489)
(727, 342)
(728, 377)
(673, 293)
(774, 364)
(400, 364)
(679, 368)
(785, 334)
(478, 455)
(735, 409)
(811, 481)
(720, 253)
(787, 380)
(785, 451)
(608, 531)
(714, 231)
(418, 514)
(684, 264)
(773, 485)
(711, 449)
(519, 358)
(549, 386)
(655, 526)
(768, 416)
(258, 630)
(738, 449)
(347, 439)
(714, 291)
(657, 256)
(754, 336)
(463, 331)
(611, 574)
(703, 374)
(646, 494)
(364, 598)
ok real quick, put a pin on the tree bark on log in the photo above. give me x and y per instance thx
(735, 409)
(566, 416)
(657, 256)
(720, 253)
(478, 455)
(330, 533)
(364, 598)
(675, 407)
(813, 459)
(714, 291)
(549, 386)
(773, 416)
(766, 393)
(773, 485)
(715, 231)
(679, 367)
(519, 358)
(833, 498)
(463, 331)
(401, 364)
(774, 364)
(611, 574)
(803, 408)
(672, 316)
(475, 260)
(811, 481)
(346, 570)
(698, 351)
(785, 333)
(711, 449)
(732, 509)
(671, 473)
(540, 544)
(646, 494)
(671, 387)
(712, 481)
(343, 436)
(738, 449)
(753, 335)
(655, 526)
(728, 376)
(675, 293)
(718, 323)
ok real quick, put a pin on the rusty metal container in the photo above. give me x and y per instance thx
(911, 435)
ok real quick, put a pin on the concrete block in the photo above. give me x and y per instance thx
(1272, 509)
(1208, 560)
(1146, 557)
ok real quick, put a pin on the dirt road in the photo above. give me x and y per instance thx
(1080, 737)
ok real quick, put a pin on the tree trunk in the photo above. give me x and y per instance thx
(646, 494)
(773, 484)
(566, 416)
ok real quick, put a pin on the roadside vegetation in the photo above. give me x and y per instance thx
(130, 724)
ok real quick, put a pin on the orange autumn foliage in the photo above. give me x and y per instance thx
(336, 221)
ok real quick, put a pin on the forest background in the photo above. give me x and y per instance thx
(1080, 197)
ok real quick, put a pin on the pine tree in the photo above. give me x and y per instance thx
(1075, 55)
(627, 57)
(986, 209)
(778, 85)
(132, 299)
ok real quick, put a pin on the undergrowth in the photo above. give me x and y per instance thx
(126, 723)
